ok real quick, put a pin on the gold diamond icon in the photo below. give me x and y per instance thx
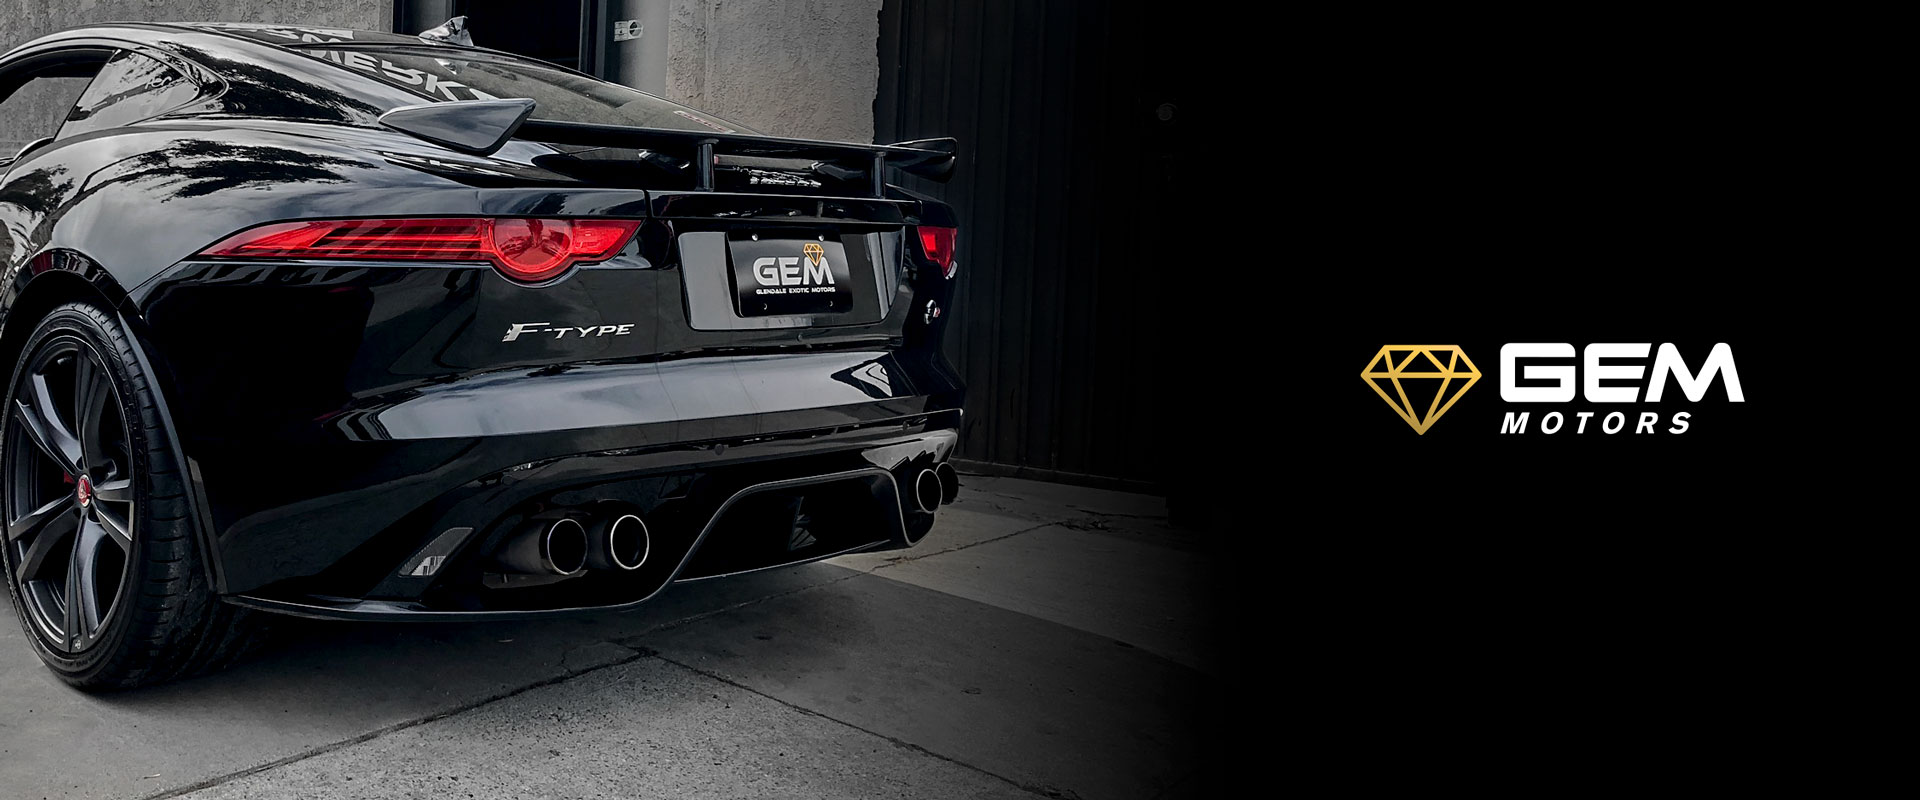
(1420, 381)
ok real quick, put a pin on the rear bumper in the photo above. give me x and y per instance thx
(696, 501)
(329, 506)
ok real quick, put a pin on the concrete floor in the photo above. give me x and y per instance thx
(1043, 641)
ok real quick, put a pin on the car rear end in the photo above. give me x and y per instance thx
(625, 356)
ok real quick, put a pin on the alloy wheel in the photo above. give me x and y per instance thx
(68, 478)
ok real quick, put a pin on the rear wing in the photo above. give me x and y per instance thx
(484, 126)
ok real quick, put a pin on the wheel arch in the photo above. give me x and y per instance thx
(57, 277)
(50, 280)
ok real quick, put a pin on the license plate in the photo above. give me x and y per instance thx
(790, 276)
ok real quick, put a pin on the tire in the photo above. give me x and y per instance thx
(158, 620)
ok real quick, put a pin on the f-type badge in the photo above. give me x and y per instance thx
(518, 329)
(1420, 381)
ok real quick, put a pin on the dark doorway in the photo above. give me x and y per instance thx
(1077, 318)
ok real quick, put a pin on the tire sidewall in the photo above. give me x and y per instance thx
(73, 321)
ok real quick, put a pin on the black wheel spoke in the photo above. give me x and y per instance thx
(114, 491)
(116, 526)
(35, 519)
(69, 609)
(37, 418)
(89, 399)
(83, 582)
(51, 532)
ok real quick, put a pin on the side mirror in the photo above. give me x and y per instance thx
(453, 31)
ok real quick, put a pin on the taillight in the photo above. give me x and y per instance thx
(523, 249)
(937, 243)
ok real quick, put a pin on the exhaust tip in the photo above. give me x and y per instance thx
(927, 491)
(564, 547)
(545, 547)
(620, 544)
(949, 481)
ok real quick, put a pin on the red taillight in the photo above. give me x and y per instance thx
(937, 243)
(526, 250)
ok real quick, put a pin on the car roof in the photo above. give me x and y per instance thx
(303, 34)
(259, 79)
(295, 36)
(292, 37)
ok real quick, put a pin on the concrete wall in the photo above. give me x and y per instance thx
(804, 68)
(36, 111)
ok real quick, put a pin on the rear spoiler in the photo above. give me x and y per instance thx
(482, 127)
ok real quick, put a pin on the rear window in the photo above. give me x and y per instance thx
(130, 88)
(445, 74)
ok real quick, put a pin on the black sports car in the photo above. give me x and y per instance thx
(363, 325)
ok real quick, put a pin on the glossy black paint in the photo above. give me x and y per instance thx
(336, 417)
(480, 127)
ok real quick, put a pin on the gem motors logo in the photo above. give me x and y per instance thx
(1420, 382)
(815, 276)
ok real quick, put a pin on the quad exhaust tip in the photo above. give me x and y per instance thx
(927, 491)
(619, 544)
(949, 481)
(547, 547)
